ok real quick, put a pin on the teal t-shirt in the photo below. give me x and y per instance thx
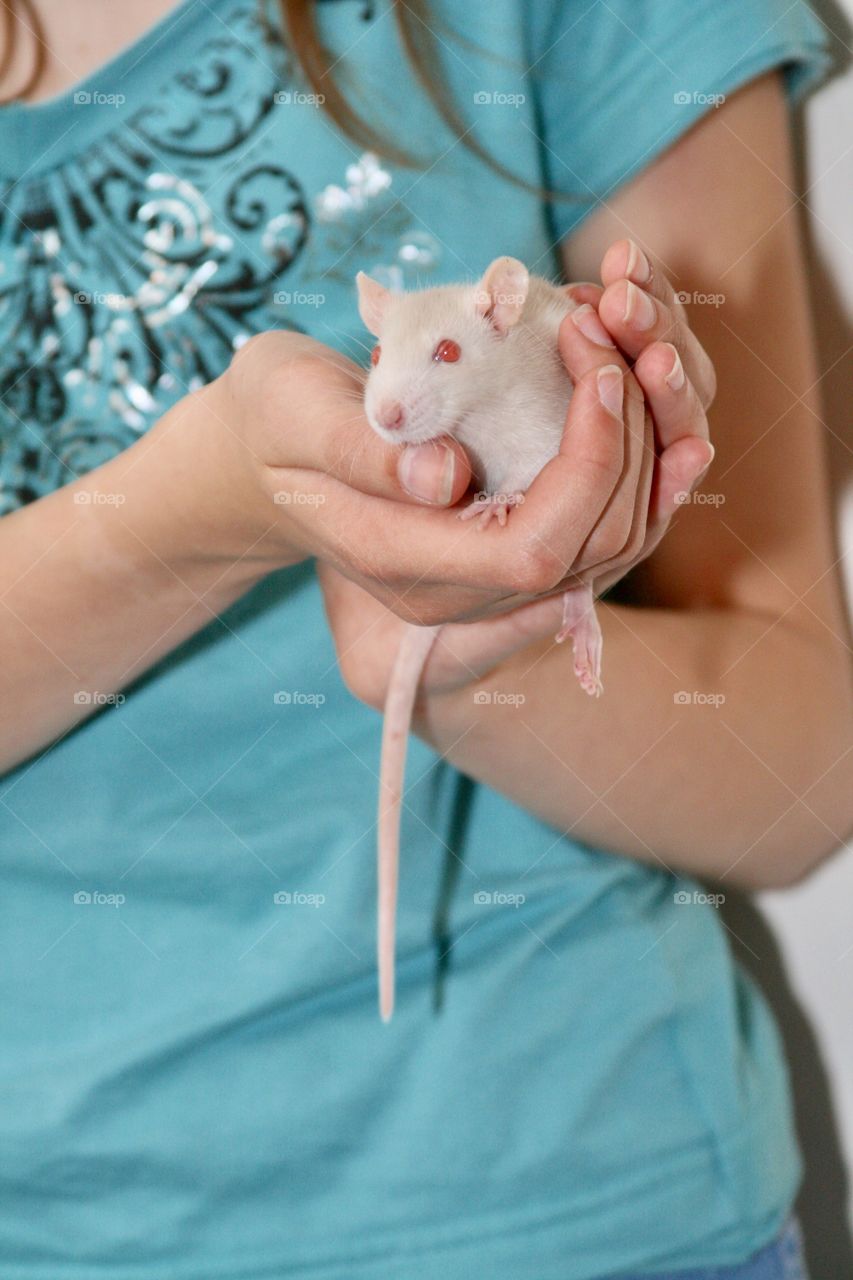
(195, 1082)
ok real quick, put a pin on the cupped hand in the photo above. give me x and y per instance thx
(296, 436)
(641, 312)
(663, 450)
(367, 639)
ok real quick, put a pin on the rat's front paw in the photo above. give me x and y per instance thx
(491, 505)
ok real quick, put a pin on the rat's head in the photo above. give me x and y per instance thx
(435, 356)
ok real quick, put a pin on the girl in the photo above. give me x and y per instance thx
(578, 1082)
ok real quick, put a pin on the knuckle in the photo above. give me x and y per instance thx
(255, 349)
(269, 364)
(413, 605)
(535, 569)
(419, 613)
(655, 361)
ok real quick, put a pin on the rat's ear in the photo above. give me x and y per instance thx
(502, 292)
(373, 299)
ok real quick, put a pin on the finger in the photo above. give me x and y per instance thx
(416, 561)
(567, 498)
(639, 306)
(625, 259)
(621, 531)
(671, 395)
(584, 292)
(636, 319)
(679, 472)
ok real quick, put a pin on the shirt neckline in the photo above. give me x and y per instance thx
(35, 136)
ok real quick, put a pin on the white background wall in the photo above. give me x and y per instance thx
(812, 925)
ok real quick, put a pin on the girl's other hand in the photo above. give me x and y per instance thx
(643, 315)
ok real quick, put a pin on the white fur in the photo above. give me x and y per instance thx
(505, 399)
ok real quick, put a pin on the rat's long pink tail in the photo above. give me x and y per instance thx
(402, 690)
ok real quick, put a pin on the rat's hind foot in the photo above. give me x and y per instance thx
(489, 505)
(580, 621)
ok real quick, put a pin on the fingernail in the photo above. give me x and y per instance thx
(586, 319)
(639, 268)
(419, 475)
(611, 389)
(640, 311)
(675, 378)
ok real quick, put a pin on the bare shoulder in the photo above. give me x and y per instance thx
(720, 214)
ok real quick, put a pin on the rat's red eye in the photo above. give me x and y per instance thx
(447, 351)
(375, 354)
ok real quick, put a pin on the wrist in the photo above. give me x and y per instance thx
(181, 501)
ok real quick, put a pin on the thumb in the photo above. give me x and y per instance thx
(438, 472)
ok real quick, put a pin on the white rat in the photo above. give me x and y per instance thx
(479, 363)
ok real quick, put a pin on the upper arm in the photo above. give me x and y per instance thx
(718, 211)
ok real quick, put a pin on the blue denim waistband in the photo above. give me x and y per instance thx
(782, 1259)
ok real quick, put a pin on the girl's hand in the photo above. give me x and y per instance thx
(677, 379)
(367, 638)
(282, 424)
(643, 315)
(287, 417)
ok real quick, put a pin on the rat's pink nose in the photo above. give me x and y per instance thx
(391, 415)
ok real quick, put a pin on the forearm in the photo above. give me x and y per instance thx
(750, 780)
(103, 577)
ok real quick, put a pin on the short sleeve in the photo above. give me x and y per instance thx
(618, 81)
